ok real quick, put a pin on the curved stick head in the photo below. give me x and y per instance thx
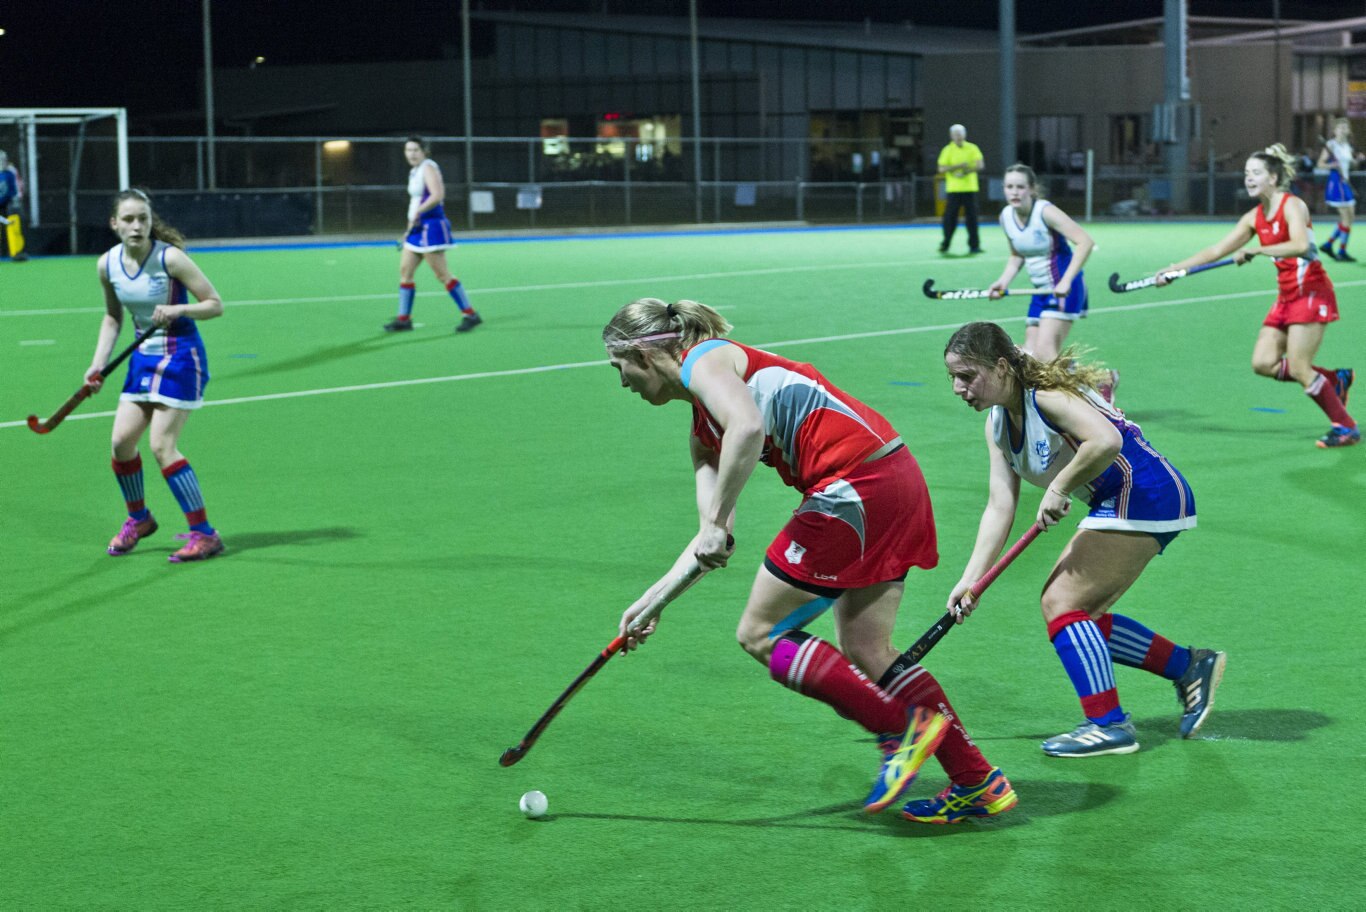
(1115, 285)
(512, 755)
(36, 426)
(928, 288)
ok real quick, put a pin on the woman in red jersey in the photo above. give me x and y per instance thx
(1293, 330)
(864, 520)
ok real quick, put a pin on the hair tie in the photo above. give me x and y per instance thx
(669, 311)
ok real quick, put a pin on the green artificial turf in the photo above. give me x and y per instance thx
(430, 535)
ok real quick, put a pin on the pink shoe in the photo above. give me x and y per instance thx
(132, 532)
(199, 547)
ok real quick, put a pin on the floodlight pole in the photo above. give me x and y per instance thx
(696, 112)
(1009, 152)
(1177, 96)
(208, 96)
(469, 114)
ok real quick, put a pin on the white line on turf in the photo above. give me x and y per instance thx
(520, 371)
(516, 289)
(39, 342)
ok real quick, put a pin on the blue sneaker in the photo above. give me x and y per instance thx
(1343, 384)
(1195, 689)
(1092, 740)
(1339, 436)
(993, 796)
(924, 733)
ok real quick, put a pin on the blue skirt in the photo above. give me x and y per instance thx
(176, 378)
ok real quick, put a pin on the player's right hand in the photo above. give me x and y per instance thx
(961, 603)
(1162, 275)
(635, 638)
(93, 379)
(996, 290)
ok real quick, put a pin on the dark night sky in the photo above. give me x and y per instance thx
(146, 55)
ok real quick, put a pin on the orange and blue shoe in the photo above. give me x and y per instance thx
(199, 547)
(1342, 382)
(924, 733)
(1339, 436)
(957, 802)
(132, 532)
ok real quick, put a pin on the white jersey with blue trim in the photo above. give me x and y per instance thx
(1046, 252)
(418, 193)
(1139, 491)
(1343, 156)
(141, 292)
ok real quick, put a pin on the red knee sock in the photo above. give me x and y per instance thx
(960, 758)
(813, 667)
(1323, 393)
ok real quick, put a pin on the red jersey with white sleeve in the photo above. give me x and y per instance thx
(814, 433)
(1300, 276)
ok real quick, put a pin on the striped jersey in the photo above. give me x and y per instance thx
(1297, 276)
(814, 433)
(418, 192)
(1044, 450)
(143, 290)
(1046, 252)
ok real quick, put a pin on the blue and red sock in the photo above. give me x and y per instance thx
(1344, 232)
(457, 293)
(1136, 646)
(1086, 658)
(129, 476)
(406, 292)
(185, 486)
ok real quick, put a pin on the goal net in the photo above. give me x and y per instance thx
(71, 161)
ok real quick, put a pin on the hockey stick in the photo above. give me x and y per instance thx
(84, 393)
(969, 294)
(942, 626)
(1119, 287)
(3, 220)
(671, 591)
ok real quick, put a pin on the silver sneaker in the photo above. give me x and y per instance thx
(1092, 740)
(1195, 689)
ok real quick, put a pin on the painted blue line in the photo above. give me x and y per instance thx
(528, 238)
(1269, 411)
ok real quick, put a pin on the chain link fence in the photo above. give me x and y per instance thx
(277, 186)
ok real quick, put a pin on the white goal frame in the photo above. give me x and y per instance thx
(30, 119)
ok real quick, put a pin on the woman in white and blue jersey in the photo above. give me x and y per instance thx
(428, 238)
(1047, 425)
(1039, 233)
(1338, 157)
(149, 275)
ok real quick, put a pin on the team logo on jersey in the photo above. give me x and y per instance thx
(156, 285)
(794, 553)
(1041, 449)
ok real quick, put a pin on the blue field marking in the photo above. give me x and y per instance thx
(1269, 411)
(905, 383)
(608, 235)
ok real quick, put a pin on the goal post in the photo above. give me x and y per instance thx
(46, 174)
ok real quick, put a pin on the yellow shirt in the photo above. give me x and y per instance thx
(966, 154)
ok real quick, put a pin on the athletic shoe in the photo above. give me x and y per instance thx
(1339, 436)
(1327, 247)
(470, 322)
(1092, 740)
(200, 547)
(1345, 257)
(944, 247)
(924, 733)
(1195, 689)
(397, 325)
(132, 532)
(19, 258)
(976, 250)
(993, 796)
(1343, 384)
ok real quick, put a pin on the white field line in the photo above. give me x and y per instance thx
(515, 289)
(515, 372)
(38, 342)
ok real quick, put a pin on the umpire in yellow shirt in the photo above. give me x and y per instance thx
(958, 165)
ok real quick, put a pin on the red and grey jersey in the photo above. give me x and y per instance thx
(1298, 276)
(814, 433)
